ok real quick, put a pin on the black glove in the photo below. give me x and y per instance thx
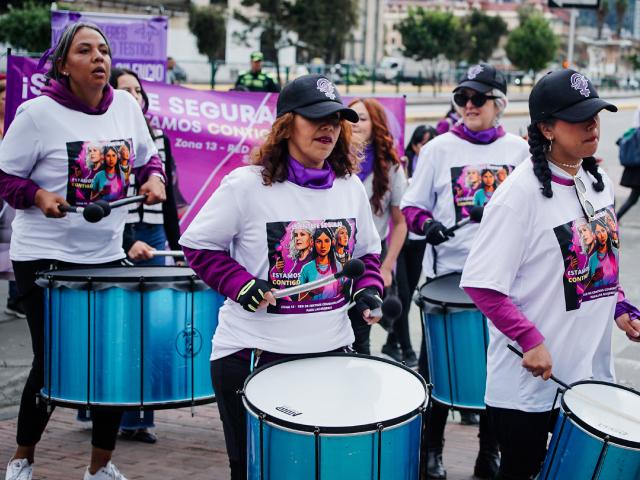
(366, 299)
(435, 232)
(252, 293)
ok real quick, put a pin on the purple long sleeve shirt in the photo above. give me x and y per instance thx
(507, 318)
(415, 219)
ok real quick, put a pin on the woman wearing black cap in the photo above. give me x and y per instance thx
(302, 178)
(441, 195)
(535, 221)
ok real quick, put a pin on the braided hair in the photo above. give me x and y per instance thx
(538, 146)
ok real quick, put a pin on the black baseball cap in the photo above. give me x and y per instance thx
(483, 78)
(313, 96)
(566, 95)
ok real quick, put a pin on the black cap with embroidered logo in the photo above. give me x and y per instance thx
(313, 96)
(483, 78)
(566, 95)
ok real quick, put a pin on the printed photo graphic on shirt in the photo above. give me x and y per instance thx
(305, 251)
(590, 252)
(473, 185)
(99, 170)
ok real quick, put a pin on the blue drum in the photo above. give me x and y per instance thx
(128, 336)
(597, 435)
(334, 416)
(456, 337)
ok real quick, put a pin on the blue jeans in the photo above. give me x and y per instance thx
(151, 234)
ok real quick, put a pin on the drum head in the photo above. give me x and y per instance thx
(446, 291)
(605, 409)
(338, 393)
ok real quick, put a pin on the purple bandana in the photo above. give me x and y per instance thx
(315, 178)
(483, 137)
(60, 91)
(366, 166)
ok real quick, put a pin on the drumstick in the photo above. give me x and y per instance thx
(475, 216)
(167, 253)
(391, 307)
(127, 201)
(352, 269)
(581, 396)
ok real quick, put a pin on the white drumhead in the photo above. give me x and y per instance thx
(607, 408)
(335, 391)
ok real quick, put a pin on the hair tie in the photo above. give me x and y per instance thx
(45, 56)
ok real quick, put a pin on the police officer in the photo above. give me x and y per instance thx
(254, 80)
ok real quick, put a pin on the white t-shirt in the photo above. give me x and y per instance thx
(275, 232)
(448, 182)
(560, 271)
(66, 152)
(392, 198)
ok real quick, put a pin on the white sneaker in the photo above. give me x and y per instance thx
(108, 472)
(19, 470)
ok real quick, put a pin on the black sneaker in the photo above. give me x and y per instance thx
(487, 465)
(469, 418)
(409, 358)
(15, 310)
(394, 351)
(435, 468)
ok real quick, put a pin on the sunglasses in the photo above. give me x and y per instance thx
(477, 99)
(587, 206)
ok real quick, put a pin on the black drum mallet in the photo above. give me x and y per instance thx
(475, 215)
(94, 212)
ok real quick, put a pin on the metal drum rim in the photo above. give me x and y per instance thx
(130, 406)
(612, 439)
(347, 430)
(55, 275)
(440, 303)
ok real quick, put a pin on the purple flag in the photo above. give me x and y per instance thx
(138, 42)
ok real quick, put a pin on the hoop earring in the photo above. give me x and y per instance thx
(547, 148)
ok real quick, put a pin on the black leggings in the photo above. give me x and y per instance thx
(34, 414)
(522, 437)
(408, 269)
(631, 201)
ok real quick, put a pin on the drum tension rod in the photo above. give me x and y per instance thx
(316, 438)
(380, 428)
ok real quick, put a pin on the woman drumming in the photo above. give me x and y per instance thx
(536, 221)
(303, 175)
(77, 107)
(385, 182)
(448, 164)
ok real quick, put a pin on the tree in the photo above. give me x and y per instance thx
(428, 34)
(320, 31)
(532, 45)
(621, 9)
(27, 28)
(482, 34)
(272, 22)
(6, 6)
(208, 26)
(601, 16)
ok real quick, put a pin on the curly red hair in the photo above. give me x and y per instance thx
(385, 153)
(273, 155)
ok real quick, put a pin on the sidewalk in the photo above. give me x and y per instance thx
(188, 448)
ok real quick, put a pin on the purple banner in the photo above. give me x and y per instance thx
(138, 42)
(211, 132)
